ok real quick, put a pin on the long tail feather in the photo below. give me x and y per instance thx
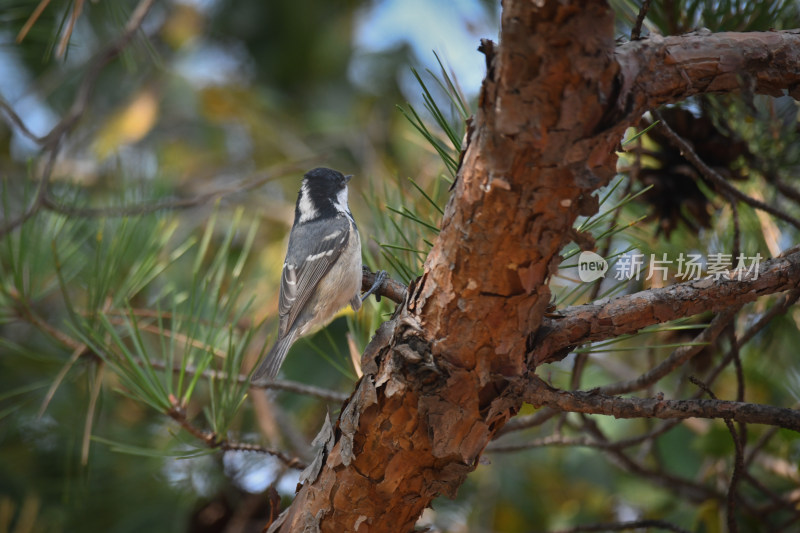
(269, 367)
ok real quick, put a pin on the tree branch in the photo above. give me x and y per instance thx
(51, 142)
(276, 384)
(661, 70)
(541, 394)
(609, 318)
(392, 289)
(559, 440)
(623, 526)
(636, 32)
(738, 463)
(213, 440)
(677, 358)
(248, 184)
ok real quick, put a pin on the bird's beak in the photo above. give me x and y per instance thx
(347, 178)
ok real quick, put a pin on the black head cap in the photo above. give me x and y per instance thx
(322, 177)
(320, 193)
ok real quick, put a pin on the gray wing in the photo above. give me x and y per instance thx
(313, 248)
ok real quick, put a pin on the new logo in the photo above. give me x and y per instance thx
(591, 266)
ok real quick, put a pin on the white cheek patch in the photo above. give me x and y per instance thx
(306, 206)
(341, 201)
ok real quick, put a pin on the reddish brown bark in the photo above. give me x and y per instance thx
(608, 318)
(454, 363)
(445, 384)
(661, 70)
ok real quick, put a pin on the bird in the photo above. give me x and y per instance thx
(322, 270)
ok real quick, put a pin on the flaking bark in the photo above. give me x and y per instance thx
(454, 363)
(608, 318)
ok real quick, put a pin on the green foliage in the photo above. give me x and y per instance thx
(673, 18)
(409, 221)
(616, 220)
(452, 128)
(27, 262)
(199, 332)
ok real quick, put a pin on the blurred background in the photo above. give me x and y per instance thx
(214, 110)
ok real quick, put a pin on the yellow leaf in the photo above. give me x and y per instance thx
(129, 125)
(183, 26)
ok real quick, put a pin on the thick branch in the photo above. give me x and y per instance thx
(606, 318)
(661, 70)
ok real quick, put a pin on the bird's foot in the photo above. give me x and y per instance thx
(380, 277)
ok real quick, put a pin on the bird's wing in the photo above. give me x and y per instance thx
(306, 264)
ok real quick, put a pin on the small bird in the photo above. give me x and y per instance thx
(322, 270)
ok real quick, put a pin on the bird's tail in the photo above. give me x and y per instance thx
(269, 367)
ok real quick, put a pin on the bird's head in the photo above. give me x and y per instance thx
(323, 193)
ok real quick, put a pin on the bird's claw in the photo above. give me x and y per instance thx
(380, 277)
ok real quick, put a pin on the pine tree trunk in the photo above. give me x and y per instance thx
(453, 365)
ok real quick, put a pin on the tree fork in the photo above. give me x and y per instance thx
(451, 367)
